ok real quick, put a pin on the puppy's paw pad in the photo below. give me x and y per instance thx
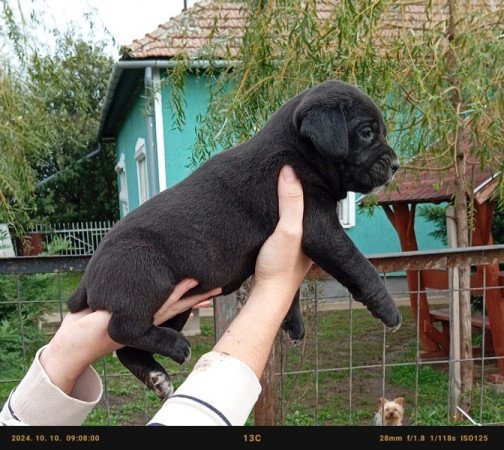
(160, 383)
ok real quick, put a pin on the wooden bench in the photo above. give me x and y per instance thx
(443, 316)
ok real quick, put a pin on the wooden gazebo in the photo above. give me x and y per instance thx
(429, 185)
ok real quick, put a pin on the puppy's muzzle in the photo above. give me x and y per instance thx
(394, 167)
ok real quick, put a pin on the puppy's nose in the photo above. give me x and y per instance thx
(394, 165)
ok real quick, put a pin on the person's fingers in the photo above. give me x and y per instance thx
(181, 288)
(290, 200)
(170, 309)
(189, 302)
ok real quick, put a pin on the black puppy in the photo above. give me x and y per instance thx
(211, 225)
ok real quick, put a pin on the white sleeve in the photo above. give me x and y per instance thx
(220, 390)
(36, 401)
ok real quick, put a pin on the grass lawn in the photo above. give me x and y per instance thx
(337, 395)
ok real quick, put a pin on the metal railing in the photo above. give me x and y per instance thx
(82, 237)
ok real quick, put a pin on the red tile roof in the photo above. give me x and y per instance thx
(431, 185)
(216, 27)
(210, 26)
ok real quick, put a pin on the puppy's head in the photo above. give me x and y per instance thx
(347, 129)
(390, 412)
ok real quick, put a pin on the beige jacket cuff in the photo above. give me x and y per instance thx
(221, 390)
(36, 401)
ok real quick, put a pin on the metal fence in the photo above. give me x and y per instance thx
(335, 377)
(82, 238)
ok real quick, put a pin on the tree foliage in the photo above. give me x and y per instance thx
(407, 67)
(74, 81)
(51, 105)
(19, 140)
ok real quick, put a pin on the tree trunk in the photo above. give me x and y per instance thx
(462, 143)
(461, 218)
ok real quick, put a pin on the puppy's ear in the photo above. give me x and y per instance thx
(381, 402)
(327, 129)
(399, 400)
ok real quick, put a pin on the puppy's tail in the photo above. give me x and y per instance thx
(78, 300)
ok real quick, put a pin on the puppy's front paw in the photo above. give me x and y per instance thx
(160, 383)
(395, 327)
(181, 351)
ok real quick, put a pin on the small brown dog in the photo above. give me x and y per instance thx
(390, 412)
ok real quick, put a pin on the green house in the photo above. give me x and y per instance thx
(152, 154)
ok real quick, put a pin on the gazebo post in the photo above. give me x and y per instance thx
(403, 220)
(482, 235)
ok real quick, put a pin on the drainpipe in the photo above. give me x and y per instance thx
(151, 153)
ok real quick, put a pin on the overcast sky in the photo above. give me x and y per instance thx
(126, 20)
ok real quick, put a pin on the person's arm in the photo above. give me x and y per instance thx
(224, 385)
(61, 387)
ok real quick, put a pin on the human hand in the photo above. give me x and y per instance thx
(281, 261)
(83, 337)
(280, 268)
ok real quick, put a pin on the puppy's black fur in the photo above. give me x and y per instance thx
(211, 225)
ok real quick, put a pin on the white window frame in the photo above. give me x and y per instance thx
(142, 173)
(346, 210)
(120, 169)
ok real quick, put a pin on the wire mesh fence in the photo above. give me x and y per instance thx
(345, 364)
(348, 361)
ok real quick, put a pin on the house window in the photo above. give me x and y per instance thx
(141, 163)
(120, 169)
(346, 210)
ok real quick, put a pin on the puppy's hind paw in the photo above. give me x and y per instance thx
(160, 383)
(295, 330)
(296, 342)
(181, 351)
(296, 337)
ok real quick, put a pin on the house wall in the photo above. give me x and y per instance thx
(377, 235)
(179, 143)
(133, 128)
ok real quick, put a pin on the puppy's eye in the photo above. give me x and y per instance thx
(366, 133)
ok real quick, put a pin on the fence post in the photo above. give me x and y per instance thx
(225, 310)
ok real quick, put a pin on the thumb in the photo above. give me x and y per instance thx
(290, 198)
